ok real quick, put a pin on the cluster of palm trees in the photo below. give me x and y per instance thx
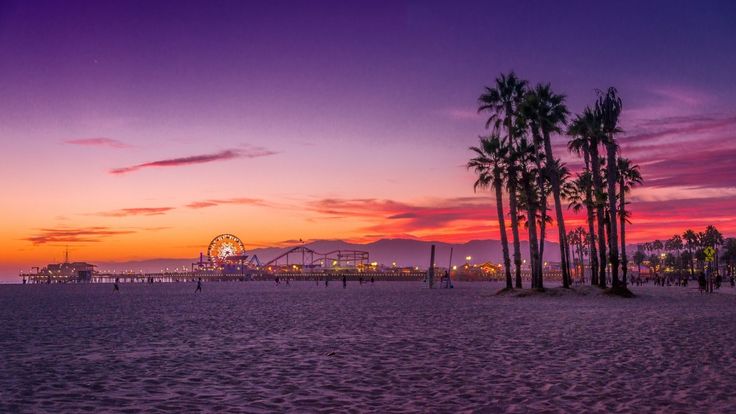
(516, 160)
(685, 253)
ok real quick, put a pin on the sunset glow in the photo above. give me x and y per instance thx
(130, 137)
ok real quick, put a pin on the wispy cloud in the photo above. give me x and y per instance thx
(251, 152)
(74, 235)
(217, 202)
(436, 219)
(97, 142)
(138, 211)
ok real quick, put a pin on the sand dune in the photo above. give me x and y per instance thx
(393, 347)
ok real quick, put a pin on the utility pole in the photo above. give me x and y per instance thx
(430, 277)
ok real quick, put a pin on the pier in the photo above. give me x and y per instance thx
(176, 277)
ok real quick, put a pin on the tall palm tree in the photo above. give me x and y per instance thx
(580, 144)
(588, 125)
(609, 106)
(628, 177)
(528, 181)
(489, 167)
(503, 102)
(547, 111)
(692, 242)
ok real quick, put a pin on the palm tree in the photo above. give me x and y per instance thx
(580, 144)
(503, 102)
(489, 166)
(628, 176)
(609, 106)
(548, 113)
(712, 237)
(639, 257)
(691, 242)
(729, 253)
(590, 126)
(525, 154)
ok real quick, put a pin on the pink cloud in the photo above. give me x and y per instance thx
(139, 211)
(217, 202)
(75, 235)
(254, 152)
(98, 142)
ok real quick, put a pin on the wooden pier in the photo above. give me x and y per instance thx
(174, 277)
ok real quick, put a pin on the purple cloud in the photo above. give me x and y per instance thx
(254, 152)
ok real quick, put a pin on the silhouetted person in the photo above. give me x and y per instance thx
(115, 287)
(24, 281)
(344, 281)
(276, 279)
(360, 280)
(287, 281)
(719, 279)
(701, 281)
(327, 280)
(372, 280)
(199, 285)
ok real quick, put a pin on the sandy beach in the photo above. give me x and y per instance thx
(392, 347)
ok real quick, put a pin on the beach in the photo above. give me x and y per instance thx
(388, 347)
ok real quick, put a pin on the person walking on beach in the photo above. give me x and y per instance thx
(372, 280)
(115, 287)
(287, 281)
(344, 281)
(199, 285)
(327, 280)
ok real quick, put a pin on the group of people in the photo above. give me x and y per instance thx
(116, 285)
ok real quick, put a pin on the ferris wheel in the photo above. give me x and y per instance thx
(224, 246)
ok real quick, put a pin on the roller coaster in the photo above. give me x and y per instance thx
(306, 258)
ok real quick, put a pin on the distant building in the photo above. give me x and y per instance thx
(68, 272)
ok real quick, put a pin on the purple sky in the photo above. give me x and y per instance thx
(363, 106)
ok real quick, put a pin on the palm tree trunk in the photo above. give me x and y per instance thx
(502, 229)
(515, 229)
(542, 232)
(624, 260)
(598, 185)
(611, 147)
(537, 282)
(591, 221)
(538, 140)
(555, 179)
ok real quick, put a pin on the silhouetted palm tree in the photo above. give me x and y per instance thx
(587, 127)
(628, 176)
(525, 154)
(503, 102)
(547, 113)
(608, 107)
(488, 165)
(692, 242)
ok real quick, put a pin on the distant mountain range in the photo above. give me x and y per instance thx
(405, 252)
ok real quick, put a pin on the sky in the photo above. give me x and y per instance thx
(134, 130)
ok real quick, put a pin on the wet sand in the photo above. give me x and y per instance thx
(393, 347)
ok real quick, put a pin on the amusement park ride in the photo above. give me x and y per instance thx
(226, 253)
